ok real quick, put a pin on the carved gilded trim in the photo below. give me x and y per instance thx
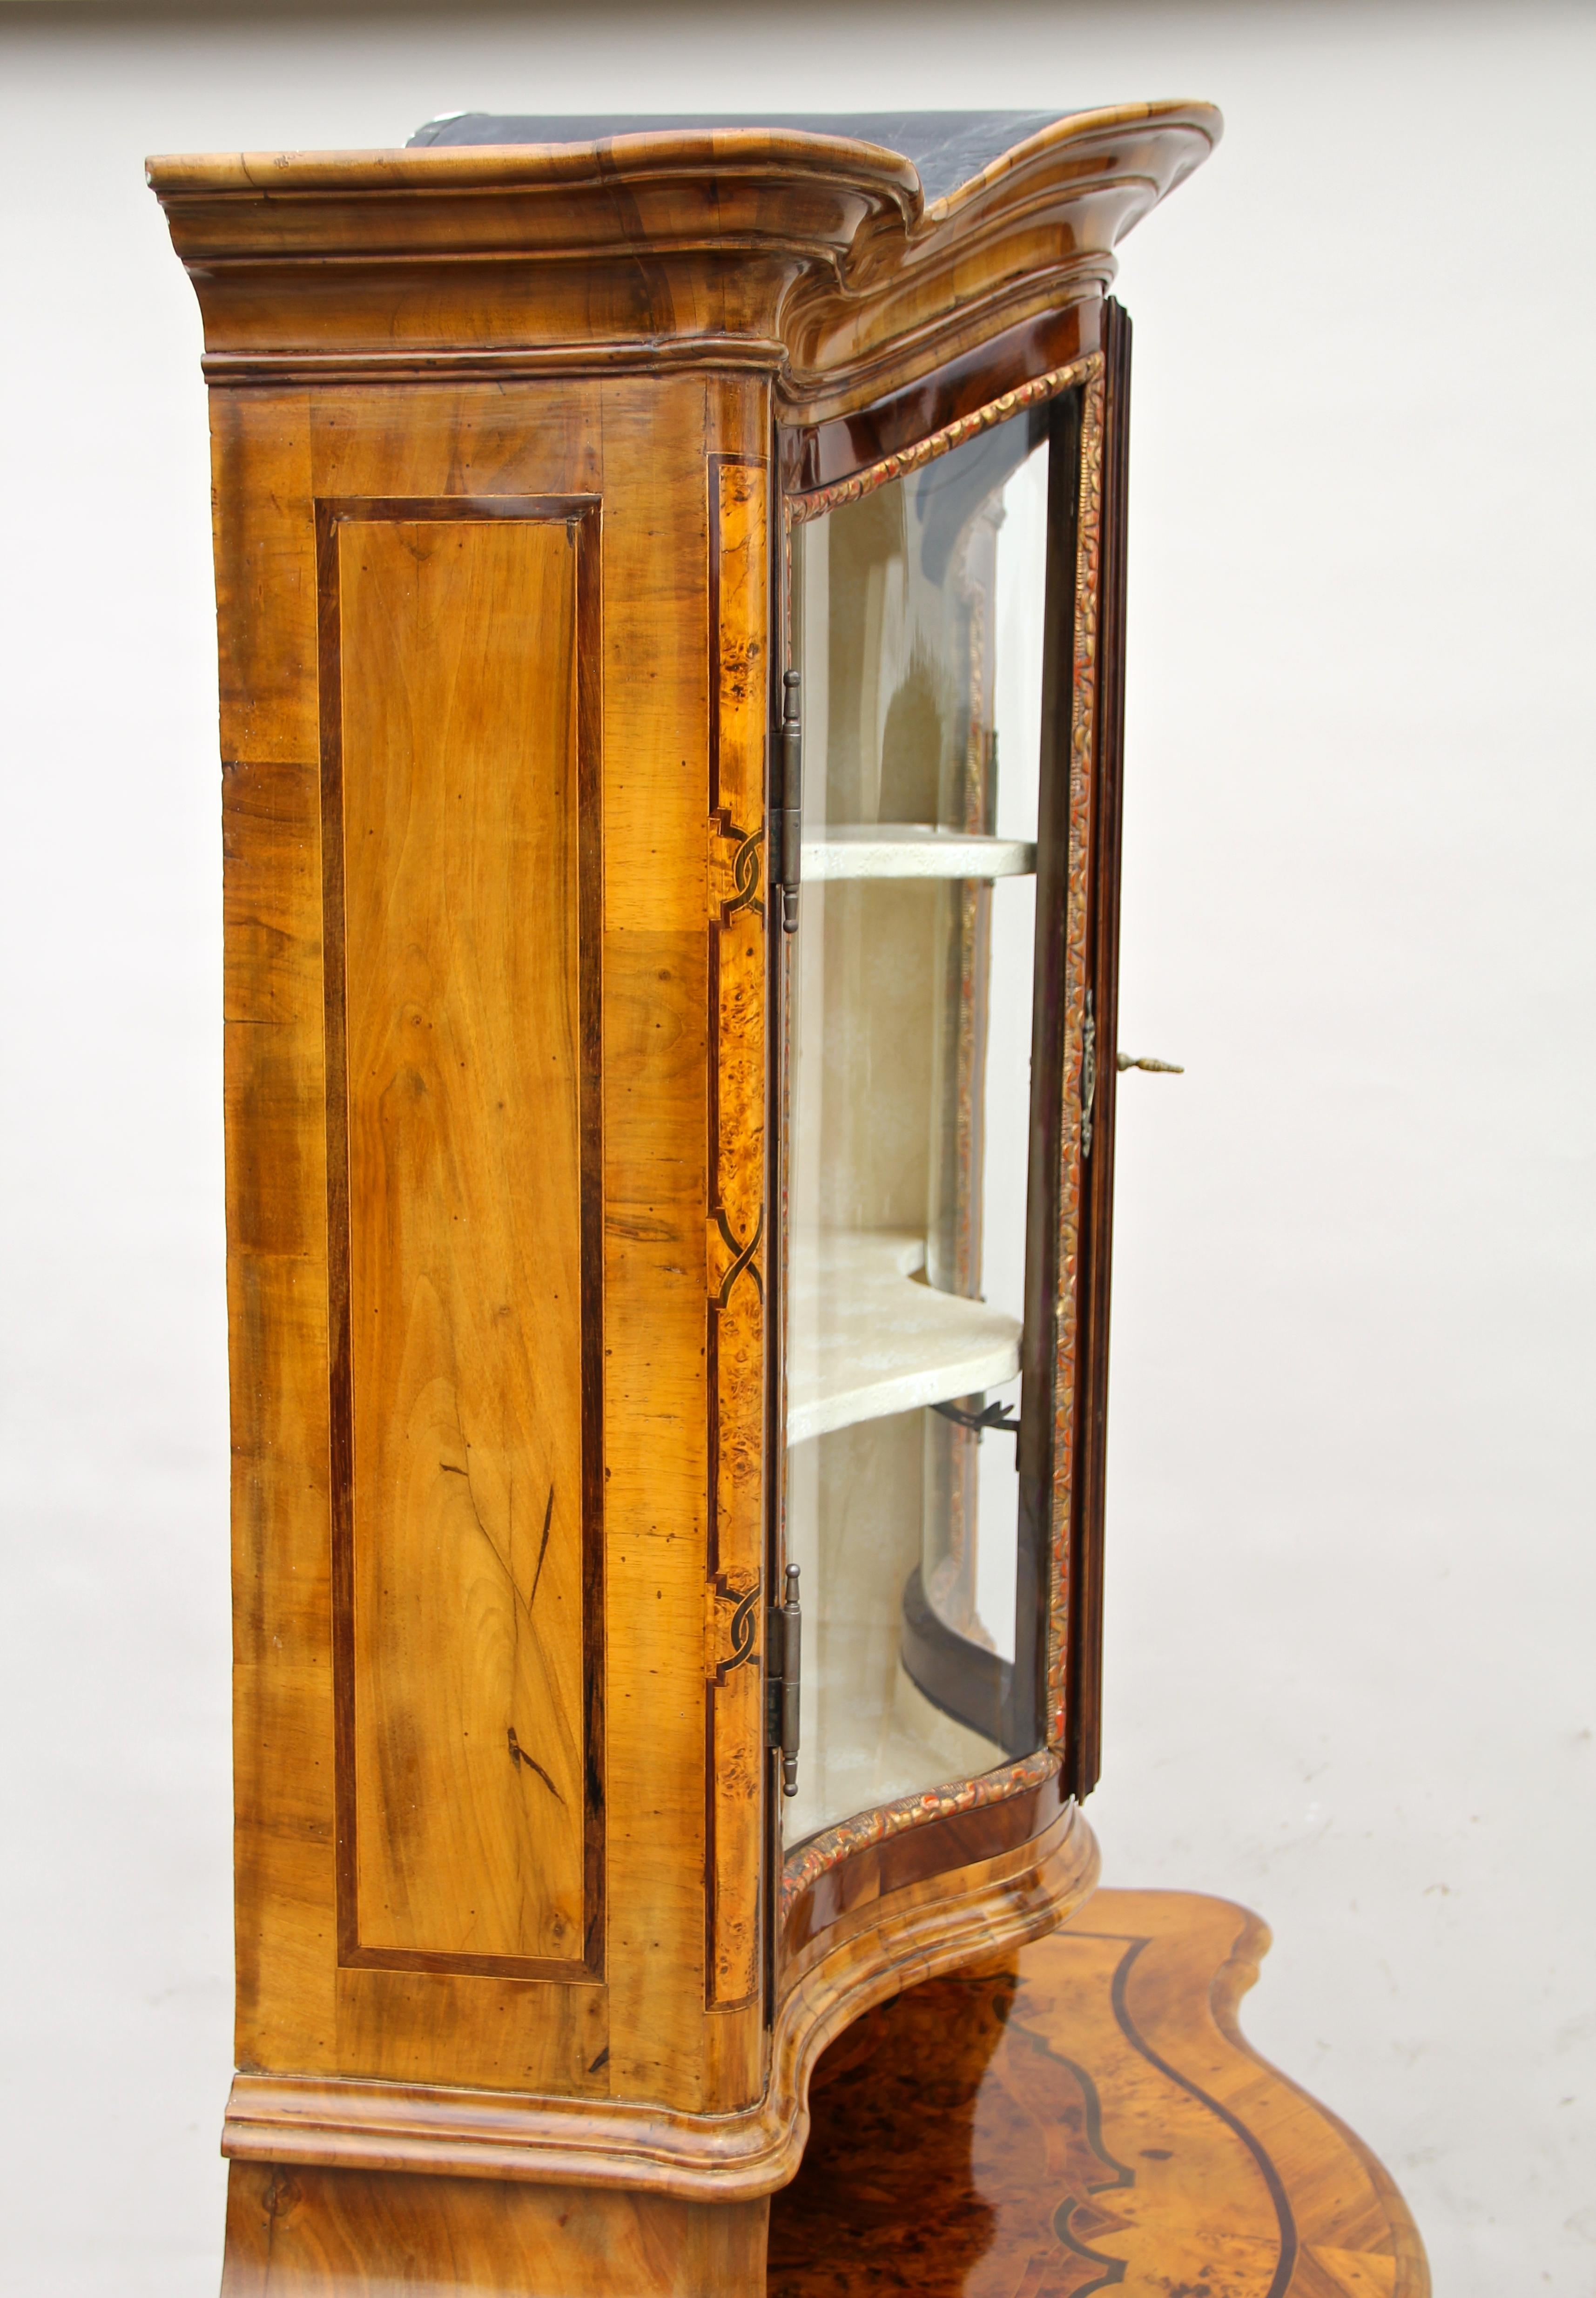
(1083, 720)
(801, 507)
(810, 1860)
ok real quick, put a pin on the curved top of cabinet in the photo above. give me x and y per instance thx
(810, 252)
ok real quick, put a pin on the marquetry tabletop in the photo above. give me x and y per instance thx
(1085, 2116)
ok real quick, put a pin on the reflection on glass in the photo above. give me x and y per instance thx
(918, 616)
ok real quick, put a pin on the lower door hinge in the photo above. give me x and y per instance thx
(784, 1671)
(790, 841)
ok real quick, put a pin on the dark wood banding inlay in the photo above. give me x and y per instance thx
(459, 654)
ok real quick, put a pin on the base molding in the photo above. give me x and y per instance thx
(300, 2233)
(311, 2122)
(1080, 2112)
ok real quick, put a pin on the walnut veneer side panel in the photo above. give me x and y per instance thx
(432, 1986)
(284, 1825)
(459, 635)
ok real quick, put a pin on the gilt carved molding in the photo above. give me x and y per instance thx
(818, 501)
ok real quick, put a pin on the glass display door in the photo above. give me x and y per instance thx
(919, 1011)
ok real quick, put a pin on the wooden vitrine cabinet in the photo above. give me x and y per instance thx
(670, 583)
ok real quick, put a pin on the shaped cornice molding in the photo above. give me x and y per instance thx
(814, 259)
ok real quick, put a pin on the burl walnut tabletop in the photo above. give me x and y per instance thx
(1085, 2116)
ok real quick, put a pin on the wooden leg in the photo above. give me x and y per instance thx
(296, 2233)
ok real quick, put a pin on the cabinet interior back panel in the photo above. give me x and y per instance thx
(457, 665)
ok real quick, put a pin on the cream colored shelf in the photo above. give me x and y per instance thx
(865, 1338)
(912, 850)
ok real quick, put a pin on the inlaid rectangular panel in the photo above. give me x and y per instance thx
(459, 664)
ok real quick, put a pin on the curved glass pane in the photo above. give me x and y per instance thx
(918, 628)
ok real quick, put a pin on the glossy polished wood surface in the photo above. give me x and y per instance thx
(814, 259)
(916, 1933)
(658, 2068)
(350, 2234)
(389, 939)
(458, 770)
(1085, 2115)
(497, 536)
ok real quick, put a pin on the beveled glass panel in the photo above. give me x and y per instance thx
(918, 629)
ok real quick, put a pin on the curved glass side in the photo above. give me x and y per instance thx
(919, 632)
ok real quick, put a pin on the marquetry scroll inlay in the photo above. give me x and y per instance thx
(734, 1306)
(737, 867)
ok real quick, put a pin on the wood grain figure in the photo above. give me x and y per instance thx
(1085, 2115)
(453, 774)
(510, 445)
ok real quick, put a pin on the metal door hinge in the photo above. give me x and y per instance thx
(784, 1670)
(997, 1415)
(790, 808)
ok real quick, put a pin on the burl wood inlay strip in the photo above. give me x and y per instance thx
(461, 811)
(734, 1342)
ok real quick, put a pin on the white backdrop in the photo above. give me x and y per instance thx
(1350, 1671)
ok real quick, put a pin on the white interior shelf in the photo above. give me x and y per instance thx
(912, 850)
(867, 1339)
